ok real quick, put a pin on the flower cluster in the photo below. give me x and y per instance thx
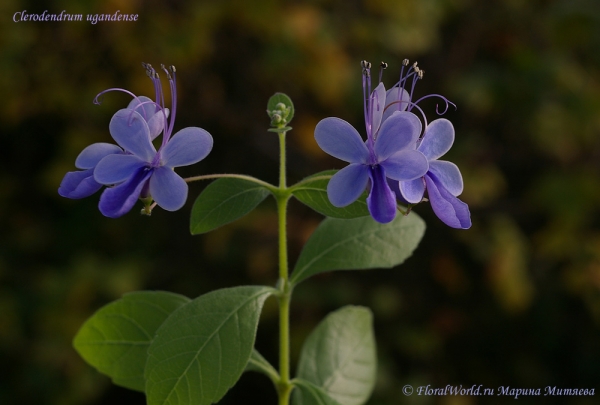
(135, 169)
(399, 159)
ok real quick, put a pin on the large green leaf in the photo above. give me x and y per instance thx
(339, 356)
(360, 243)
(314, 194)
(201, 350)
(116, 338)
(307, 393)
(224, 201)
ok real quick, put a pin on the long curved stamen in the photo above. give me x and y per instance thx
(98, 98)
(446, 101)
(368, 103)
(173, 87)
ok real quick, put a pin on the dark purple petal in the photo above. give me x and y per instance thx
(437, 139)
(91, 155)
(381, 200)
(186, 147)
(168, 189)
(348, 184)
(117, 201)
(131, 132)
(339, 139)
(393, 104)
(448, 174)
(78, 184)
(452, 211)
(398, 132)
(377, 106)
(413, 191)
(405, 165)
(114, 169)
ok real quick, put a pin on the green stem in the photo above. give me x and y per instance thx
(284, 388)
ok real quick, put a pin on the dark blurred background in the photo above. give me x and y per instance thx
(514, 301)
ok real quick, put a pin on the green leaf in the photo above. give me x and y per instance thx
(259, 364)
(281, 98)
(360, 243)
(224, 201)
(202, 348)
(339, 356)
(116, 338)
(308, 393)
(314, 194)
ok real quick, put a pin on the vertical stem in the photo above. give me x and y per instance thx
(284, 387)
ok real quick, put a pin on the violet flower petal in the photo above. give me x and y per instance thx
(348, 184)
(168, 189)
(381, 200)
(405, 165)
(156, 123)
(114, 169)
(131, 132)
(393, 104)
(413, 191)
(448, 174)
(117, 201)
(339, 139)
(377, 106)
(452, 211)
(143, 105)
(79, 184)
(186, 147)
(399, 131)
(92, 154)
(437, 139)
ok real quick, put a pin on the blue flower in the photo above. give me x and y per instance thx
(389, 151)
(81, 183)
(136, 169)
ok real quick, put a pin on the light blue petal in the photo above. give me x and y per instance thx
(393, 104)
(168, 189)
(186, 147)
(377, 106)
(156, 123)
(131, 132)
(148, 106)
(381, 200)
(339, 139)
(405, 165)
(91, 155)
(452, 211)
(448, 174)
(348, 184)
(398, 132)
(437, 139)
(117, 201)
(78, 184)
(413, 191)
(114, 169)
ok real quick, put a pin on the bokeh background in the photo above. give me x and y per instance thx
(514, 301)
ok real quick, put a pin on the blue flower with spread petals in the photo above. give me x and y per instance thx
(388, 152)
(136, 169)
(81, 183)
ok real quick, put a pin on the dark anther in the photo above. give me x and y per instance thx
(405, 62)
(365, 64)
(384, 65)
